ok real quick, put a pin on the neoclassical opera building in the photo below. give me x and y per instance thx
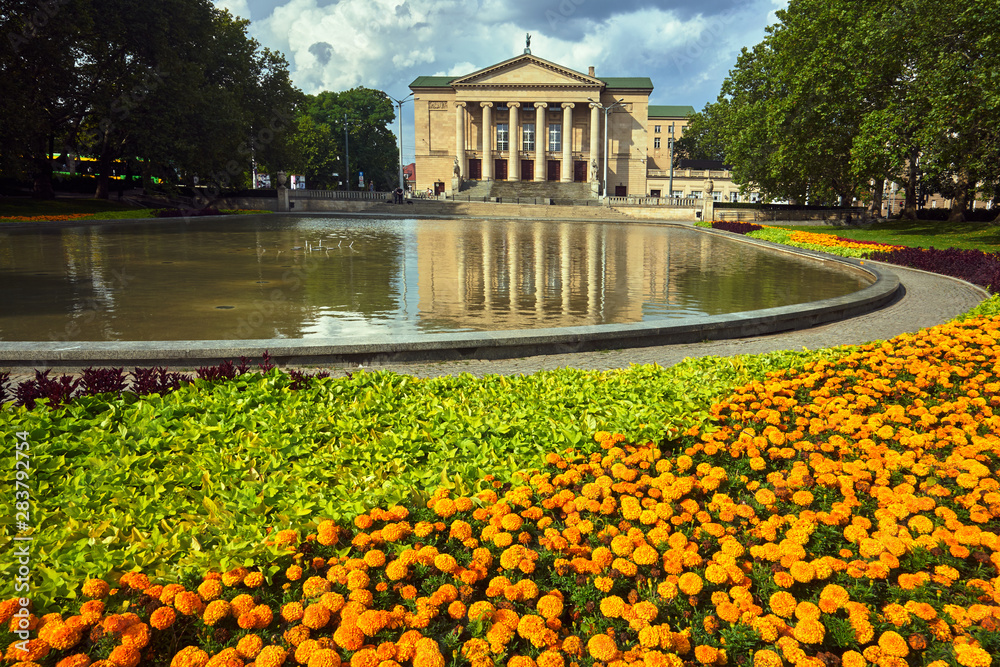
(528, 119)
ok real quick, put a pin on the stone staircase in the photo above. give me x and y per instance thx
(475, 191)
(564, 194)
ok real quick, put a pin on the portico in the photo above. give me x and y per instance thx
(529, 119)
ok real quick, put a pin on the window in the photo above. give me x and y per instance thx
(503, 136)
(555, 137)
(654, 193)
(678, 193)
(528, 135)
(696, 194)
(656, 142)
(734, 197)
(656, 128)
(716, 196)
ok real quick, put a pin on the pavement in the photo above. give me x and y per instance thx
(925, 300)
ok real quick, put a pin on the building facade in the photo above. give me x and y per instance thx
(528, 119)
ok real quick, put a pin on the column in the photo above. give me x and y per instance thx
(566, 172)
(463, 162)
(514, 161)
(540, 141)
(595, 138)
(487, 140)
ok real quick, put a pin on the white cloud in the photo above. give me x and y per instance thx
(238, 8)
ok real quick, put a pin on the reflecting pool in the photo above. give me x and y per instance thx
(292, 277)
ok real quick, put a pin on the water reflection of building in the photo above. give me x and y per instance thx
(519, 275)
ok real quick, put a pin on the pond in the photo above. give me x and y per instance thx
(297, 277)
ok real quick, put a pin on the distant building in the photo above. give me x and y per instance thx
(410, 173)
(528, 119)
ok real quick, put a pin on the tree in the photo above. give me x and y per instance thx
(842, 95)
(177, 84)
(700, 140)
(368, 116)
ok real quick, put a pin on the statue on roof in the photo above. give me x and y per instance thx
(527, 42)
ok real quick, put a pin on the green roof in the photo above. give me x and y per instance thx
(432, 81)
(643, 82)
(668, 111)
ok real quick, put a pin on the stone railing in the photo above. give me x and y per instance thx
(668, 202)
(340, 194)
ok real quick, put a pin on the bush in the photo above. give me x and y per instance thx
(975, 266)
(737, 227)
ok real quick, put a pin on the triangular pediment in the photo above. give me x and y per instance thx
(527, 71)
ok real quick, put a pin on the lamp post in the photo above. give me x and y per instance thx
(399, 106)
(606, 109)
(670, 142)
(347, 157)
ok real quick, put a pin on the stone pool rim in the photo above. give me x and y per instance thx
(483, 344)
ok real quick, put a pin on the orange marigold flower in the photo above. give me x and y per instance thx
(162, 618)
(690, 583)
(249, 646)
(254, 580)
(210, 590)
(188, 603)
(766, 658)
(809, 631)
(76, 660)
(215, 612)
(892, 643)
(603, 648)
(271, 656)
(612, 606)
(324, 657)
(549, 606)
(189, 656)
(95, 588)
(316, 616)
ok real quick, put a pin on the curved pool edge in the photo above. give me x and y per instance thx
(477, 345)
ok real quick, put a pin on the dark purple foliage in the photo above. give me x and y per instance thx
(57, 391)
(4, 379)
(224, 371)
(266, 365)
(156, 380)
(736, 227)
(302, 379)
(975, 266)
(103, 381)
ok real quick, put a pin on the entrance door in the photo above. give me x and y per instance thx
(621, 191)
(438, 187)
(579, 171)
(553, 170)
(527, 170)
(500, 169)
(475, 169)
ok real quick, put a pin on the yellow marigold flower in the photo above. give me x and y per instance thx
(690, 583)
(162, 618)
(802, 571)
(807, 610)
(445, 562)
(612, 606)
(427, 654)
(603, 584)
(550, 659)
(189, 656)
(853, 659)
(645, 610)
(271, 656)
(602, 647)
(972, 656)
(766, 658)
(549, 606)
(892, 643)
(783, 579)
(783, 604)
(444, 507)
(645, 555)
(292, 611)
(809, 631)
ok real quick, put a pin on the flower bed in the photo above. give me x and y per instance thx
(842, 513)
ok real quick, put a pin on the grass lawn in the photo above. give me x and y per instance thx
(919, 234)
(25, 207)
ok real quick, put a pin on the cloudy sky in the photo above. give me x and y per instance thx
(685, 46)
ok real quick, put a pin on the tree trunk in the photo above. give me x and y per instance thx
(103, 173)
(961, 200)
(910, 187)
(41, 171)
(875, 210)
